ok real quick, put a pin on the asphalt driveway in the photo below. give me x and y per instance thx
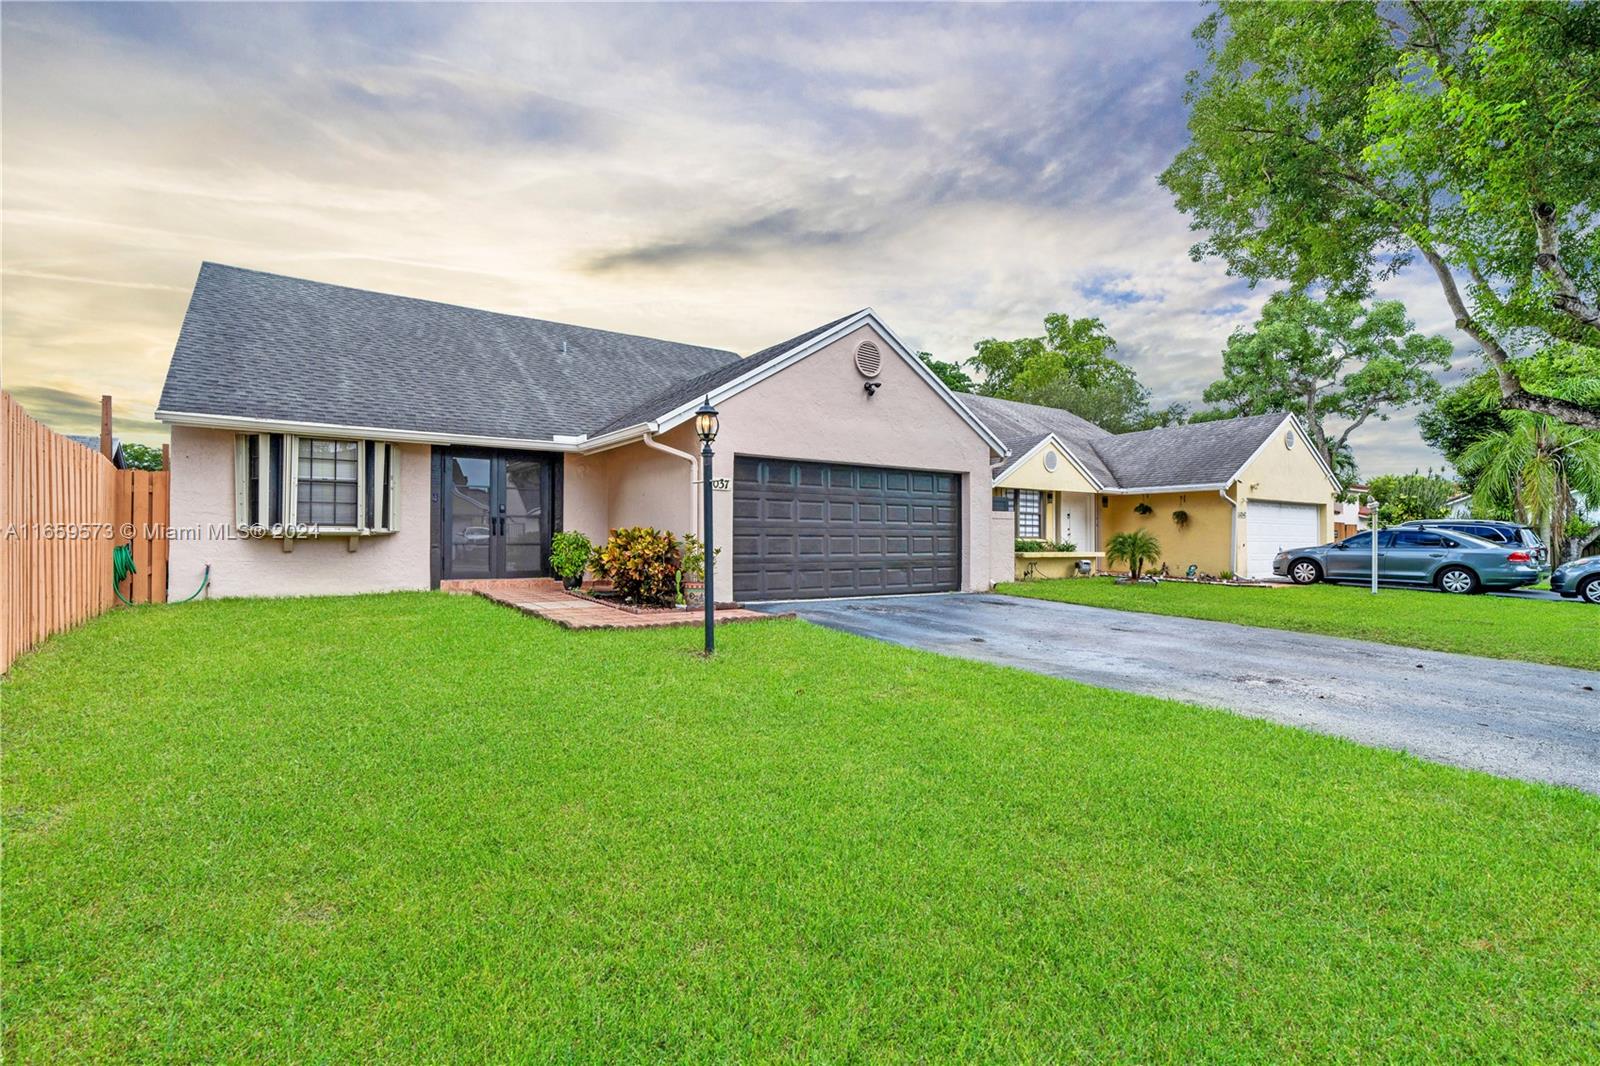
(1539, 723)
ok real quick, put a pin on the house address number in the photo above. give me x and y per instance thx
(721, 484)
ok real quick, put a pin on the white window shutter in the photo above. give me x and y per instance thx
(392, 468)
(291, 474)
(380, 484)
(361, 485)
(241, 481)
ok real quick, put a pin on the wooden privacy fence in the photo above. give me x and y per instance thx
(62, 509)
(144, 506)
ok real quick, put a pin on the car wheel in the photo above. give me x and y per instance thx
(1589, 591)
(1457, 580)
(1304, 572)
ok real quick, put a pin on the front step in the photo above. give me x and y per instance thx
(502, 584)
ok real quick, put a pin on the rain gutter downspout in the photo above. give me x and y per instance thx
(1233, 532)
(651, 442)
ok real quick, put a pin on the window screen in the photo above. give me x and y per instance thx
(253, 480)
(1030, 520)
(328, 481)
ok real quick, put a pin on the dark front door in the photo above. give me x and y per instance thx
(494, 514)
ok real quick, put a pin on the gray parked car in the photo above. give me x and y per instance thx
(1512, 533)
(1580, 578)
(1449, 561)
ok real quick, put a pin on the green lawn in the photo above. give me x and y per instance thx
(425, 828)
(1541, 631)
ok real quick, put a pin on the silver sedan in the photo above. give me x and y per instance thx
(1448, 561)
(1580, 578)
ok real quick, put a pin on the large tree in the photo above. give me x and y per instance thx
(1407, 497)
(1521, 464)
(1463, 415)
(1336, 143)
(955, 379)
(1329, 359)
(1536, 466)
(1072, 366)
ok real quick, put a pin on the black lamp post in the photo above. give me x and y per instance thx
(705, 427)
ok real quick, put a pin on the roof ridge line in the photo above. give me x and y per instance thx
(204, 263)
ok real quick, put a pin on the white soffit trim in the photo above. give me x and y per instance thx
(617, 438)
(270, 425)
(1060, 447)
(678, 415)
(1145, 490)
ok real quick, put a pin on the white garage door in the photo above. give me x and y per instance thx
(1272, 527)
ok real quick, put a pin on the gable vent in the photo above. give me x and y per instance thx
(868, 359)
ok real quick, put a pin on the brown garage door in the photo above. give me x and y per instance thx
(805, 530)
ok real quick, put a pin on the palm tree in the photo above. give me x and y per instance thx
(1535, 465)
(1136, 549)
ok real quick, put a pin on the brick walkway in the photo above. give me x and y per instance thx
(544, 598)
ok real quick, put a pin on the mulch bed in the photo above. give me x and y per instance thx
(616, 602)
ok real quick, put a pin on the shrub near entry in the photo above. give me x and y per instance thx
(642, 565)
(570, 552)
(1046, 546)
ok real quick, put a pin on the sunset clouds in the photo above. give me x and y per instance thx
(723, 175)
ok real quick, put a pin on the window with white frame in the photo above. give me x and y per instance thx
(309, 485)
(327, 482)
(1030, 515)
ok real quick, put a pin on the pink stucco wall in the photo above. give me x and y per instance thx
(814, 410)
(1002, 545)
(817, 410)
(202, 520)
(585, 496)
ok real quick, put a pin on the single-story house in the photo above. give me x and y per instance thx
(1223, 496)
(331, 440)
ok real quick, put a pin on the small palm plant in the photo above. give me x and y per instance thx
(1136, 549)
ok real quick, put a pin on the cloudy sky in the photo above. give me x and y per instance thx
(724, 175)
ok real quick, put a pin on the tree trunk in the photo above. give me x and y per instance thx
(1563, 410)
(1560, 507)
(1512, 395)
(1566, 298)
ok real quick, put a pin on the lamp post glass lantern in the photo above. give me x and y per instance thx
(705, 427)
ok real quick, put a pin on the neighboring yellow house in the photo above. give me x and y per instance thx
(1224, 496)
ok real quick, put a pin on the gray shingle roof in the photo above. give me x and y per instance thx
(1020, 426)
(257, 345)
(676, 395)
(1199, 453)
(92, 442)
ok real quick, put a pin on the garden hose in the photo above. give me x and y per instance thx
(122, 568)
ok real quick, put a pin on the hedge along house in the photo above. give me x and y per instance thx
(1222, 496)
(334, 440)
